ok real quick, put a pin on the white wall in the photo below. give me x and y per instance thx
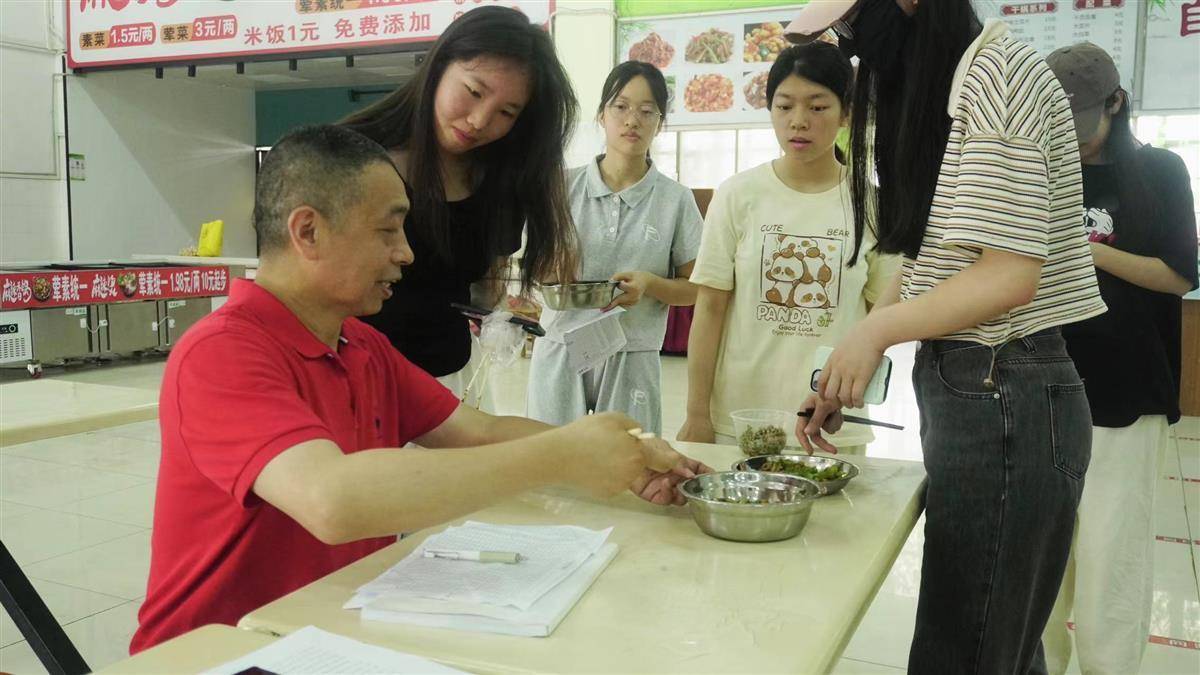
(585, 34)
(33, 196)
(162, 157)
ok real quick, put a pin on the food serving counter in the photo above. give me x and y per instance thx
(58, 312)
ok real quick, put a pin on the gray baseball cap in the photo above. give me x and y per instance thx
(1089, 76)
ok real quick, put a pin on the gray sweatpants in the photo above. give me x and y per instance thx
(628, 382)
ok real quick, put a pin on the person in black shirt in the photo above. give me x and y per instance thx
(478, 134)
(1142, 228)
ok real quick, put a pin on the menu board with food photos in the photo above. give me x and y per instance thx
(716, 65)
(1047, 25)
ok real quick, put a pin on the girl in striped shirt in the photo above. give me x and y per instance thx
(979, 187)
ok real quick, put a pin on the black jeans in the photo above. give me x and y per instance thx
(1007, 437)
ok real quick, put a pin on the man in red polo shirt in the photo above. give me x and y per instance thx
(283, 417)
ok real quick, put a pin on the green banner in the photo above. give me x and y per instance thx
(627, 9)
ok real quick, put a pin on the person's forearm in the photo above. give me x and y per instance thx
(676, 292)
(1144, 271)
(503, 429)
(704, 339)
(377, 493)
(468, 428)
(983, 291)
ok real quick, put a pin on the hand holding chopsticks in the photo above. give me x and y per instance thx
(666, 469)
(856, 420)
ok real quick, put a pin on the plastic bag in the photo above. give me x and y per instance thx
(500, 343)
(500, 340)
(212, 236)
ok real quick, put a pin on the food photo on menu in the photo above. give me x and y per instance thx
(653, 50)
(715, 65)
(712, 46)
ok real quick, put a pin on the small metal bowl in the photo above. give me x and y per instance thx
(750, 506)
(828, 487)
(581, 295)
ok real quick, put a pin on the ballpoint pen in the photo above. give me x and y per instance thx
(507, 557)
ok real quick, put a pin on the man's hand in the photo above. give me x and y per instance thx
(660, 487)
(599, 455)
(826, 416)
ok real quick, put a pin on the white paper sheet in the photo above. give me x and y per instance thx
(312, 650)
(592, 343)
(540, 620)
(552, 553)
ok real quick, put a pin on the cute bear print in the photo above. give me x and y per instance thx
(801, 272)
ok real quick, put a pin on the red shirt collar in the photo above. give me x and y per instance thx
(281, 321)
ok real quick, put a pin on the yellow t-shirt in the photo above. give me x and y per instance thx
(784, 254)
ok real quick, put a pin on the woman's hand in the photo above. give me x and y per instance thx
(633, 287)
(817, 415)
(848, 372)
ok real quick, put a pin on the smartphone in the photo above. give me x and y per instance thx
(877, 389)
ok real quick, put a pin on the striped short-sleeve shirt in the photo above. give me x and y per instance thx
(1010, 181)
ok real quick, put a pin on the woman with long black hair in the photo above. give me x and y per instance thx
(478, 135)
(972, 143)
(1142, 231)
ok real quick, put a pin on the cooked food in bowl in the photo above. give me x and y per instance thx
(782, 465)
(829, 473)
(761, 431)
(750, 506)
(768, 440)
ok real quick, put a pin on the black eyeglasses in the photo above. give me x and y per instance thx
(623, 111)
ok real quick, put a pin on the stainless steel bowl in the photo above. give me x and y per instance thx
(582, 295)
(828, 487)
(750, 506)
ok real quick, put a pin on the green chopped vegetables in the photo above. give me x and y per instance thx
(766, 440)
(780, 465)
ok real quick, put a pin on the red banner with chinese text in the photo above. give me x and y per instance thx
(66, 288)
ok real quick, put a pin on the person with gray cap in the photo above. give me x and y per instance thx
(1142, 231)
(970, 139)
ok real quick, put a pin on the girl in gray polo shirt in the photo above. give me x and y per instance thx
(635, 226)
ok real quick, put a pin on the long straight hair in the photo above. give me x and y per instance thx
(1121, 149)
(899, 127)
(522, 173)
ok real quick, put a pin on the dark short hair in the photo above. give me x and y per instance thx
(624, 73)
(317, 166)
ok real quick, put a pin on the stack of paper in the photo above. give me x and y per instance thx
(529, 598)
(312, 650)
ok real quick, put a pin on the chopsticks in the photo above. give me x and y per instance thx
(856, 420)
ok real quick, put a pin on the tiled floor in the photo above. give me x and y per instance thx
(76, 511)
